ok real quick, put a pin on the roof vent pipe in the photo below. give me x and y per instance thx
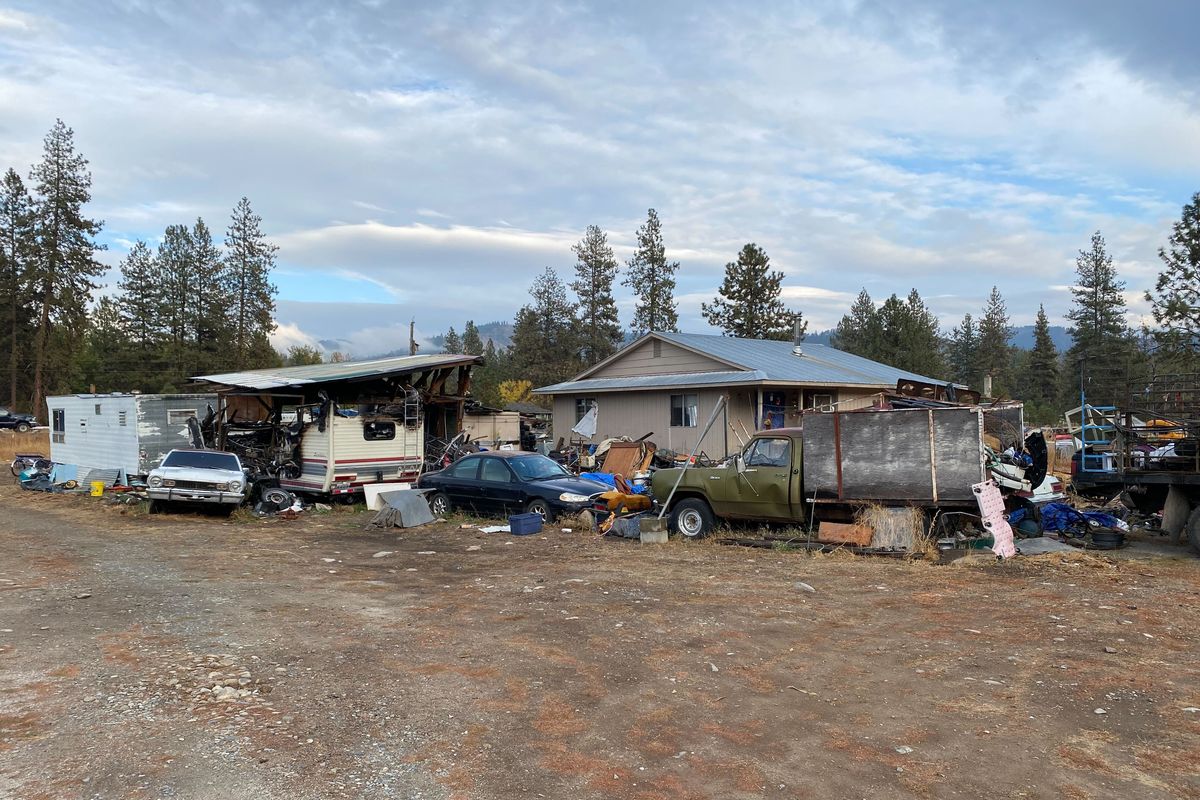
(797, 338)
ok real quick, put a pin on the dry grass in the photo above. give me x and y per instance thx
(12, 443)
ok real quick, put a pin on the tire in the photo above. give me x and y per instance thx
(228, 509)
(279, 498)
(692, 519)
(156, 507)
(540, 507)
(24, 427)
(1193, 529)
(439, 504)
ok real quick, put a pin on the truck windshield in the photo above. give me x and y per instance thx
(202, 459)
(769, 453)
(536, 468)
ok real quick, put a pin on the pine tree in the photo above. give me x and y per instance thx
(175, 291)
(1041, 385)
(451, 343)
(1175, 300)
(860, 332)
(249, 259)
(100, 362)
(545, 341)
(652, 279)
(211, 337)
(140, 310)
(16, 257)
(994, 355)
(893, 322)
(749, 304)
(595, 271)
(921, 339)
(962, 353)
(64, 264)
(472, 344)
(1102, 344)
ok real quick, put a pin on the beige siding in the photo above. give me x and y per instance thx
(635, 414)
(671, 360)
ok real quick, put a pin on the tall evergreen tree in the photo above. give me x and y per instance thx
(1102, 344)
(210, 311)
(140, 311)
(860, 332)
(451, 343)
(1041, 381)
(249, 259)
(472, 343)
(175, 291)
(962, 353)
(652, 279)
(64, 267)
(1175, 299)
(920, 335)
(994, 356)
(595, 271)
(749, 304)
(99, 362)
(16, 256)
(545, 341)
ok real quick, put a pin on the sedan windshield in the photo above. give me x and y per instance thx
(536, 468)
(202, 459)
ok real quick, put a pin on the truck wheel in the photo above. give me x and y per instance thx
(155, 507)
(692, 518)
(23, 427)
(1193, 529)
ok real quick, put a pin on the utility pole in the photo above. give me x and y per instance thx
(412, 339)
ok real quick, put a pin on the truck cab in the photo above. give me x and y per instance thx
(763, 482)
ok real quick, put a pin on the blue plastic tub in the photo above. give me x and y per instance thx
(525, 524)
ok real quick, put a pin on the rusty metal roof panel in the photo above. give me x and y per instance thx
(285, 377)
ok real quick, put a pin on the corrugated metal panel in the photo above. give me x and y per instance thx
(687, 379)
(327, 373)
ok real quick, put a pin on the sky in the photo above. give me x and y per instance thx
(426, 161)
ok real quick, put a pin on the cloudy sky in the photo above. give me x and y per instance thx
(426, 160)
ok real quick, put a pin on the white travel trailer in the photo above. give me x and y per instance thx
(127, 432)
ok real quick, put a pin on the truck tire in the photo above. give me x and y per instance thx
(692, 518)
(1193, 529)
(24, 427)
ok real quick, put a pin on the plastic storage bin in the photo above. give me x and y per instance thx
(525, 524)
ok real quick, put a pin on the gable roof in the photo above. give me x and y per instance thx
(753, 361)
(284, 377)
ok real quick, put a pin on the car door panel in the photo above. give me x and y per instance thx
(499, 490)
(764, 483)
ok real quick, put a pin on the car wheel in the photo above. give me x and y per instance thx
(156, 507)
(541, 508)
(24, 427)
(692, 518)
(439, 504)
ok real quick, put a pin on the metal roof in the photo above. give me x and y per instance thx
(761, 359)
(675, 381)
(284, 377)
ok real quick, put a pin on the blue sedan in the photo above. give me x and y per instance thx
(503, 482)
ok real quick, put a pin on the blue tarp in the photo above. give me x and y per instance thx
(611, 481)
(1058, 517)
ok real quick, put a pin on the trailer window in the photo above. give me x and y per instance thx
(379, 431)
(180, 416)
(97, 409)
(58, 425)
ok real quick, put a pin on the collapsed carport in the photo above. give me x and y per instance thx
(302, 426)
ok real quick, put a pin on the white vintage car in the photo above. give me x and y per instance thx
(198, 476)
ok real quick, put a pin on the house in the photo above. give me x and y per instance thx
(126, 432)
(669, 383)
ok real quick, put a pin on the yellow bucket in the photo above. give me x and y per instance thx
(97, 488)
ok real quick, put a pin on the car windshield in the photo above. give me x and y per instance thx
(202, 459)
(536, 468)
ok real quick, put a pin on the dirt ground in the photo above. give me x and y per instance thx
(193, 657)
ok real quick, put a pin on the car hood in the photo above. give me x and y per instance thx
(572, 485)
(197, 474)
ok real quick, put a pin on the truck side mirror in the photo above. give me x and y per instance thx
(739, 463)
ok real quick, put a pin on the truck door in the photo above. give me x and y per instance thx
(763, 487)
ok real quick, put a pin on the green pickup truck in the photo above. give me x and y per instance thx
(762, 483)
(921, 457)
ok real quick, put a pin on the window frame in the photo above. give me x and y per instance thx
(371, 435)
(748, 456)
(683, 410)
(502, 464)
(582, 410)
(172, 412)
(451, 474)
(825, 407)
(58, 425)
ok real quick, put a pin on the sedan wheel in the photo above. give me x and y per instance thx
(541, 508)
(23, 427)
(439, 504)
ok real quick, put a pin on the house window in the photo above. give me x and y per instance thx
(684, 410)
(822, 402)
(180, 416)
(58, 425)
(582, 406)
(379, 431)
